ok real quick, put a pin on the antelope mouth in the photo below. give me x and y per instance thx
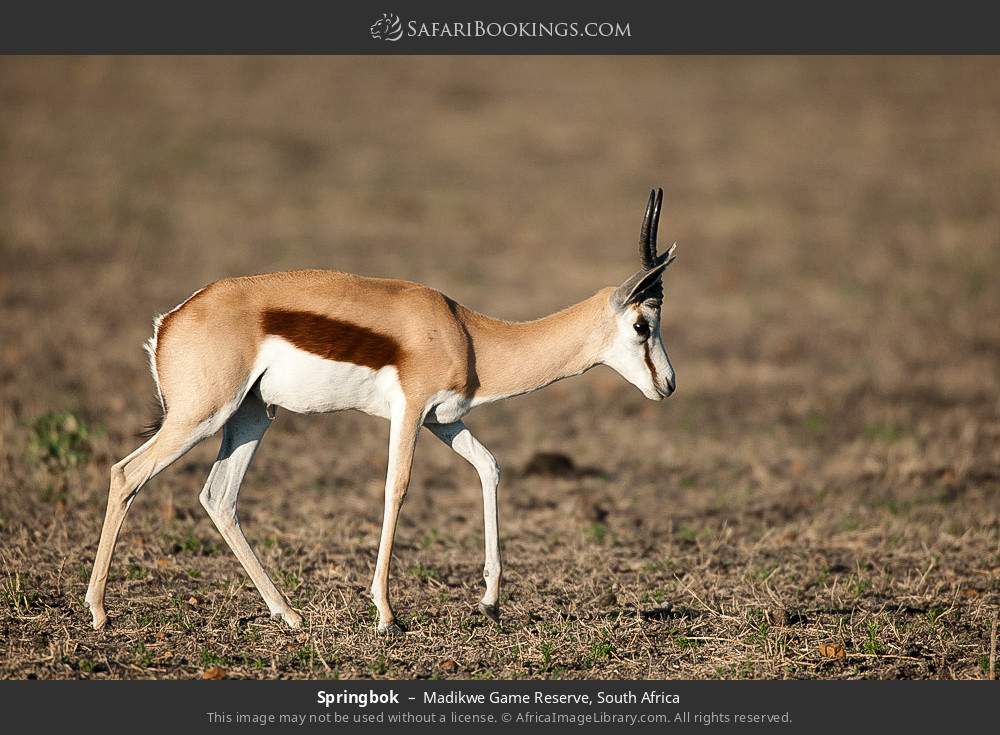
(665, 392)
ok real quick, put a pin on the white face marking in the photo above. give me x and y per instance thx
(640, 356)
(302, 382)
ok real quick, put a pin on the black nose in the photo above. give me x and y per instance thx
(671, 387)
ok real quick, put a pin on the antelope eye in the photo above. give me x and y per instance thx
(641, 328)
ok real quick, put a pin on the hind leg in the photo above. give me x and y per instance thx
(240, 438)
(128, 477)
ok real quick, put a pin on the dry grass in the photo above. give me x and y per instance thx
(825, 480)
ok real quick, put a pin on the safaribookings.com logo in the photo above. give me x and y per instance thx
(390, 28)
(387, 28)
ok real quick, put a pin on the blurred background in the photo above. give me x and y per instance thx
(833, 317)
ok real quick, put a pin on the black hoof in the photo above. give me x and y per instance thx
(490, 611)
(392, 629)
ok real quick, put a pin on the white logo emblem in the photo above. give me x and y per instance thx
(387, 28)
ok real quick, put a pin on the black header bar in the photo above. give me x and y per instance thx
(512, 27)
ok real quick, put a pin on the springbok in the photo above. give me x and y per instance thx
(314, 341)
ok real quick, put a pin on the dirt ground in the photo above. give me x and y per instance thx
(818, 500)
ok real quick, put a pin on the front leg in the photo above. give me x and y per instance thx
(402, 441)
(457, 436)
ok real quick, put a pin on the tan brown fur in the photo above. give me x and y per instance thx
(206, 348)
(516, 357)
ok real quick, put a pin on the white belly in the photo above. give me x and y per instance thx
(305, 383)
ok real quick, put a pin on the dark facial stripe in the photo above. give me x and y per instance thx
(332, 339)
(650, 365)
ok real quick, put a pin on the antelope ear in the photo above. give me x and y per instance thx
(643, 281)
(668, 257)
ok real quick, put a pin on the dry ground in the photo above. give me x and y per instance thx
(825, 481)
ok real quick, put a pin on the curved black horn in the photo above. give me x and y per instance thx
(655, 226)
(644, 258)
(650, 223)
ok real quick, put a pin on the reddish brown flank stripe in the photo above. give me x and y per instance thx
(332, 339)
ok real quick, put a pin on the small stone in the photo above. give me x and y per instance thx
(832, 650)
(214, 673)
(550, 464)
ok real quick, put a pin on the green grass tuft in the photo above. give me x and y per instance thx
(60, 439)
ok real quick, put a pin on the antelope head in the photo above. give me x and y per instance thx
(635, 349)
